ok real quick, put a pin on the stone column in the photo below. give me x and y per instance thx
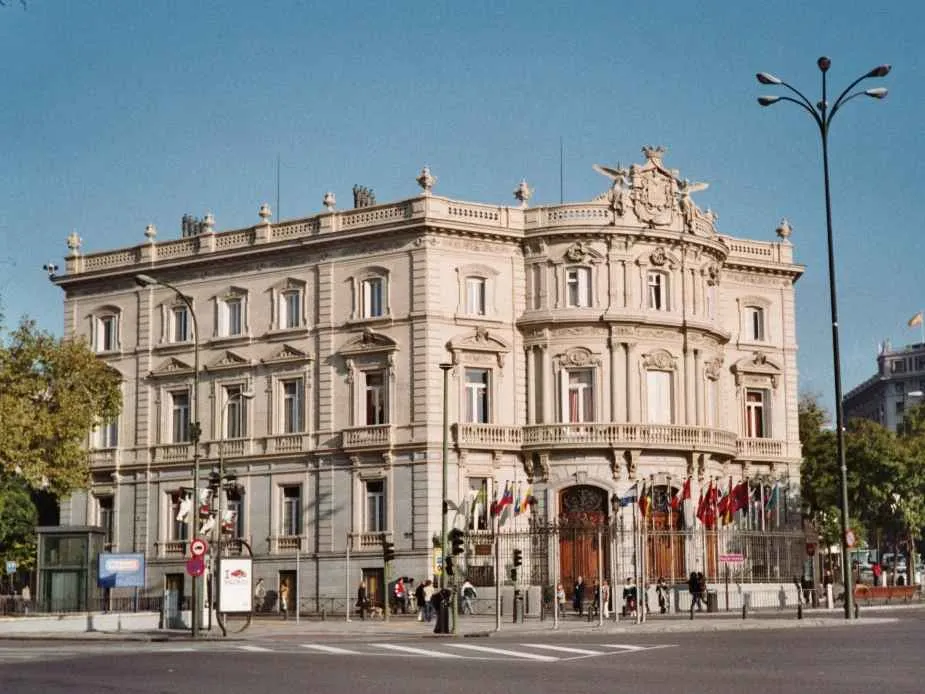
(632, 383)
(531, 388)
(689, 386)
(549, 388)
(698, 387)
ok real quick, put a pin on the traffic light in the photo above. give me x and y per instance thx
(456, 538)
(518, 558)
(449, 566)
(514, 575)
(388, 550)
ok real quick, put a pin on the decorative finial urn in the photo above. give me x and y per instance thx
(73, 244)
(784, 229)
(208, 223)
(426, 180)
(150, 233)
(265, 213)
(523, 192)
(329, 201)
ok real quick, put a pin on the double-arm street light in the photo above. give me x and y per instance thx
(444, 505)
(194, 434)
(822, 114)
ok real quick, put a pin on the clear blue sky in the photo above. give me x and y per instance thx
(122, 113)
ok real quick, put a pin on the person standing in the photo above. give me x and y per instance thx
(578, 596)
(260, 595)
(630, 596)
(362, 599)
(605, 598)
(661, 592)
(400, 596)
(284, 599)
(468, 595)
(877, 570)
(420, 602)
(560, 598)
(428, 600)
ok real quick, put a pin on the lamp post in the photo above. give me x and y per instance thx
(822, 114)
(194, 433)
(446, 450)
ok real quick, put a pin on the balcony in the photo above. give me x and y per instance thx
(359, 438)
(103, 457)
(368, 541)
(625, 435)
(173, 452)
(492, 437)
(170, 549)
(761, 449)
(286, 544)
(286, 443)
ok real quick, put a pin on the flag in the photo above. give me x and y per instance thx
(480, 502)
(629, 497)
(507, 498)
(207, 525)
(772, 498)
(728, 505)
(186, 505)
(518, 503)
(687, 504)
(645, 503)
(706, 510)
(528, 499)
(701, 507)
(915, 320)
(740, 496)
(676, 500)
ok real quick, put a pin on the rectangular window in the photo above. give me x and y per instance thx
(754, 323)
(919, 363)
(292, 511)
(578, 287)
(478, 514)
(105, 517)
(235, 413)
(578, 387)
(234, 317)
(373, 295)
(899, 388)
(658, 295)
(375, 506)
(376, 412)
(180, 416)
(291, 309)
(107, 434)
(756, 425)
(710, 403)
(477, 398)
(898, 366)
(292, 406)
(180, 320)
(475, 296)
(106, 334)
(180, 510)
(658, 397)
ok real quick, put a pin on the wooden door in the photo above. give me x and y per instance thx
(583, 515)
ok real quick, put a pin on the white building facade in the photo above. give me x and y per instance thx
(898, 384)
(593, 345)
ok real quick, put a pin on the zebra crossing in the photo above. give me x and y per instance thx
(526, 652)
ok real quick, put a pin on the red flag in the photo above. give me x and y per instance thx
(728, 504)
(644, 501)
(686, 491)
(740, 496)
(701, 507)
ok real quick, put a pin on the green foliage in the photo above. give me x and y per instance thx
(18, 518)
(820, 475)
(52, 393)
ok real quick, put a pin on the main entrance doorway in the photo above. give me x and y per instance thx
(583, 537)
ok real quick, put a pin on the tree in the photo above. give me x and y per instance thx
(52, 393)
(18, 518)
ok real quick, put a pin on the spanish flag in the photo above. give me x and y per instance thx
(915, 320)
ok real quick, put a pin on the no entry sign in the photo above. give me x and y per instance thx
(198, 547)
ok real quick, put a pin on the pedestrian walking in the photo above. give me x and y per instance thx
(630, 598)
(578, 596)
(284, 599)
(400, 596)
(362, 599)
(661, 591)
(429, 606)
(420, 602)
(468, 595)
(260, 595)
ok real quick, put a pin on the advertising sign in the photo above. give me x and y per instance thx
(235, 585)
(122, 570)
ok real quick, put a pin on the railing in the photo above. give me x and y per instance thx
(374, 215)
(171, 548)
(101, 261)
(621, 434)
(366, 541)
(491, 436)
(234, 239)
(14, 605)
(103, 457)
(286, 443)
(761, 448)
(305, 227)
(578, 214)
(172, 452)
(281, 544)
(235, 447)
(759, 250)
(376, 436)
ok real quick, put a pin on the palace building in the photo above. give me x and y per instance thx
(588, 347)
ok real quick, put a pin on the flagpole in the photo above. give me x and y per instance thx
(670, 528)
(498, 572)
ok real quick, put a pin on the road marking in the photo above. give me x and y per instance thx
(504, 651)
(563, 649)
(254, 649)
(177, 649)
(628, 648)
(329, 649)
(416, 651)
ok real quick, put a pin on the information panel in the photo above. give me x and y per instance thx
(122, 570)
(235, 585)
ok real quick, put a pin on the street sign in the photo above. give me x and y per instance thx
(196, 567)
(849, 538)
(438, 562)
(11, 567)
(732, 558)
(198, 547)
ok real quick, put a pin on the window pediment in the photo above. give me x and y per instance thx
(659, 360)
(576, 357)
(580, 253)
(171, 367)
(758, 367)
(477, 270)
(368, 342)
(229, 360)
(480, 341)
(658, 258)
(287, 353)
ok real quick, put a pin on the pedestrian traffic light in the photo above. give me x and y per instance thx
(456, 538)
(514, 575)
(449, 566)
(518, 557)
(388, 550)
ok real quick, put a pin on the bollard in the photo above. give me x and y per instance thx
(324, 614)
(516, 605)
(799, 610)
(744, 610)
(857, 609)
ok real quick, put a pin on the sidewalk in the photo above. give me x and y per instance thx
(265, 629)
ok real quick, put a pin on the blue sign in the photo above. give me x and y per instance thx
(122, 570)
(11, 567)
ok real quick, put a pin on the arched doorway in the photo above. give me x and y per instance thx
(583, 511)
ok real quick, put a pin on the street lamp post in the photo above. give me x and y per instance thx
(822, 114)
(444, 507)
(194, 433)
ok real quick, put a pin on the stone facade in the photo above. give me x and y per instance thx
(899, 383)
(596, 343)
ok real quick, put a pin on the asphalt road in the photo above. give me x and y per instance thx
(861, 658)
